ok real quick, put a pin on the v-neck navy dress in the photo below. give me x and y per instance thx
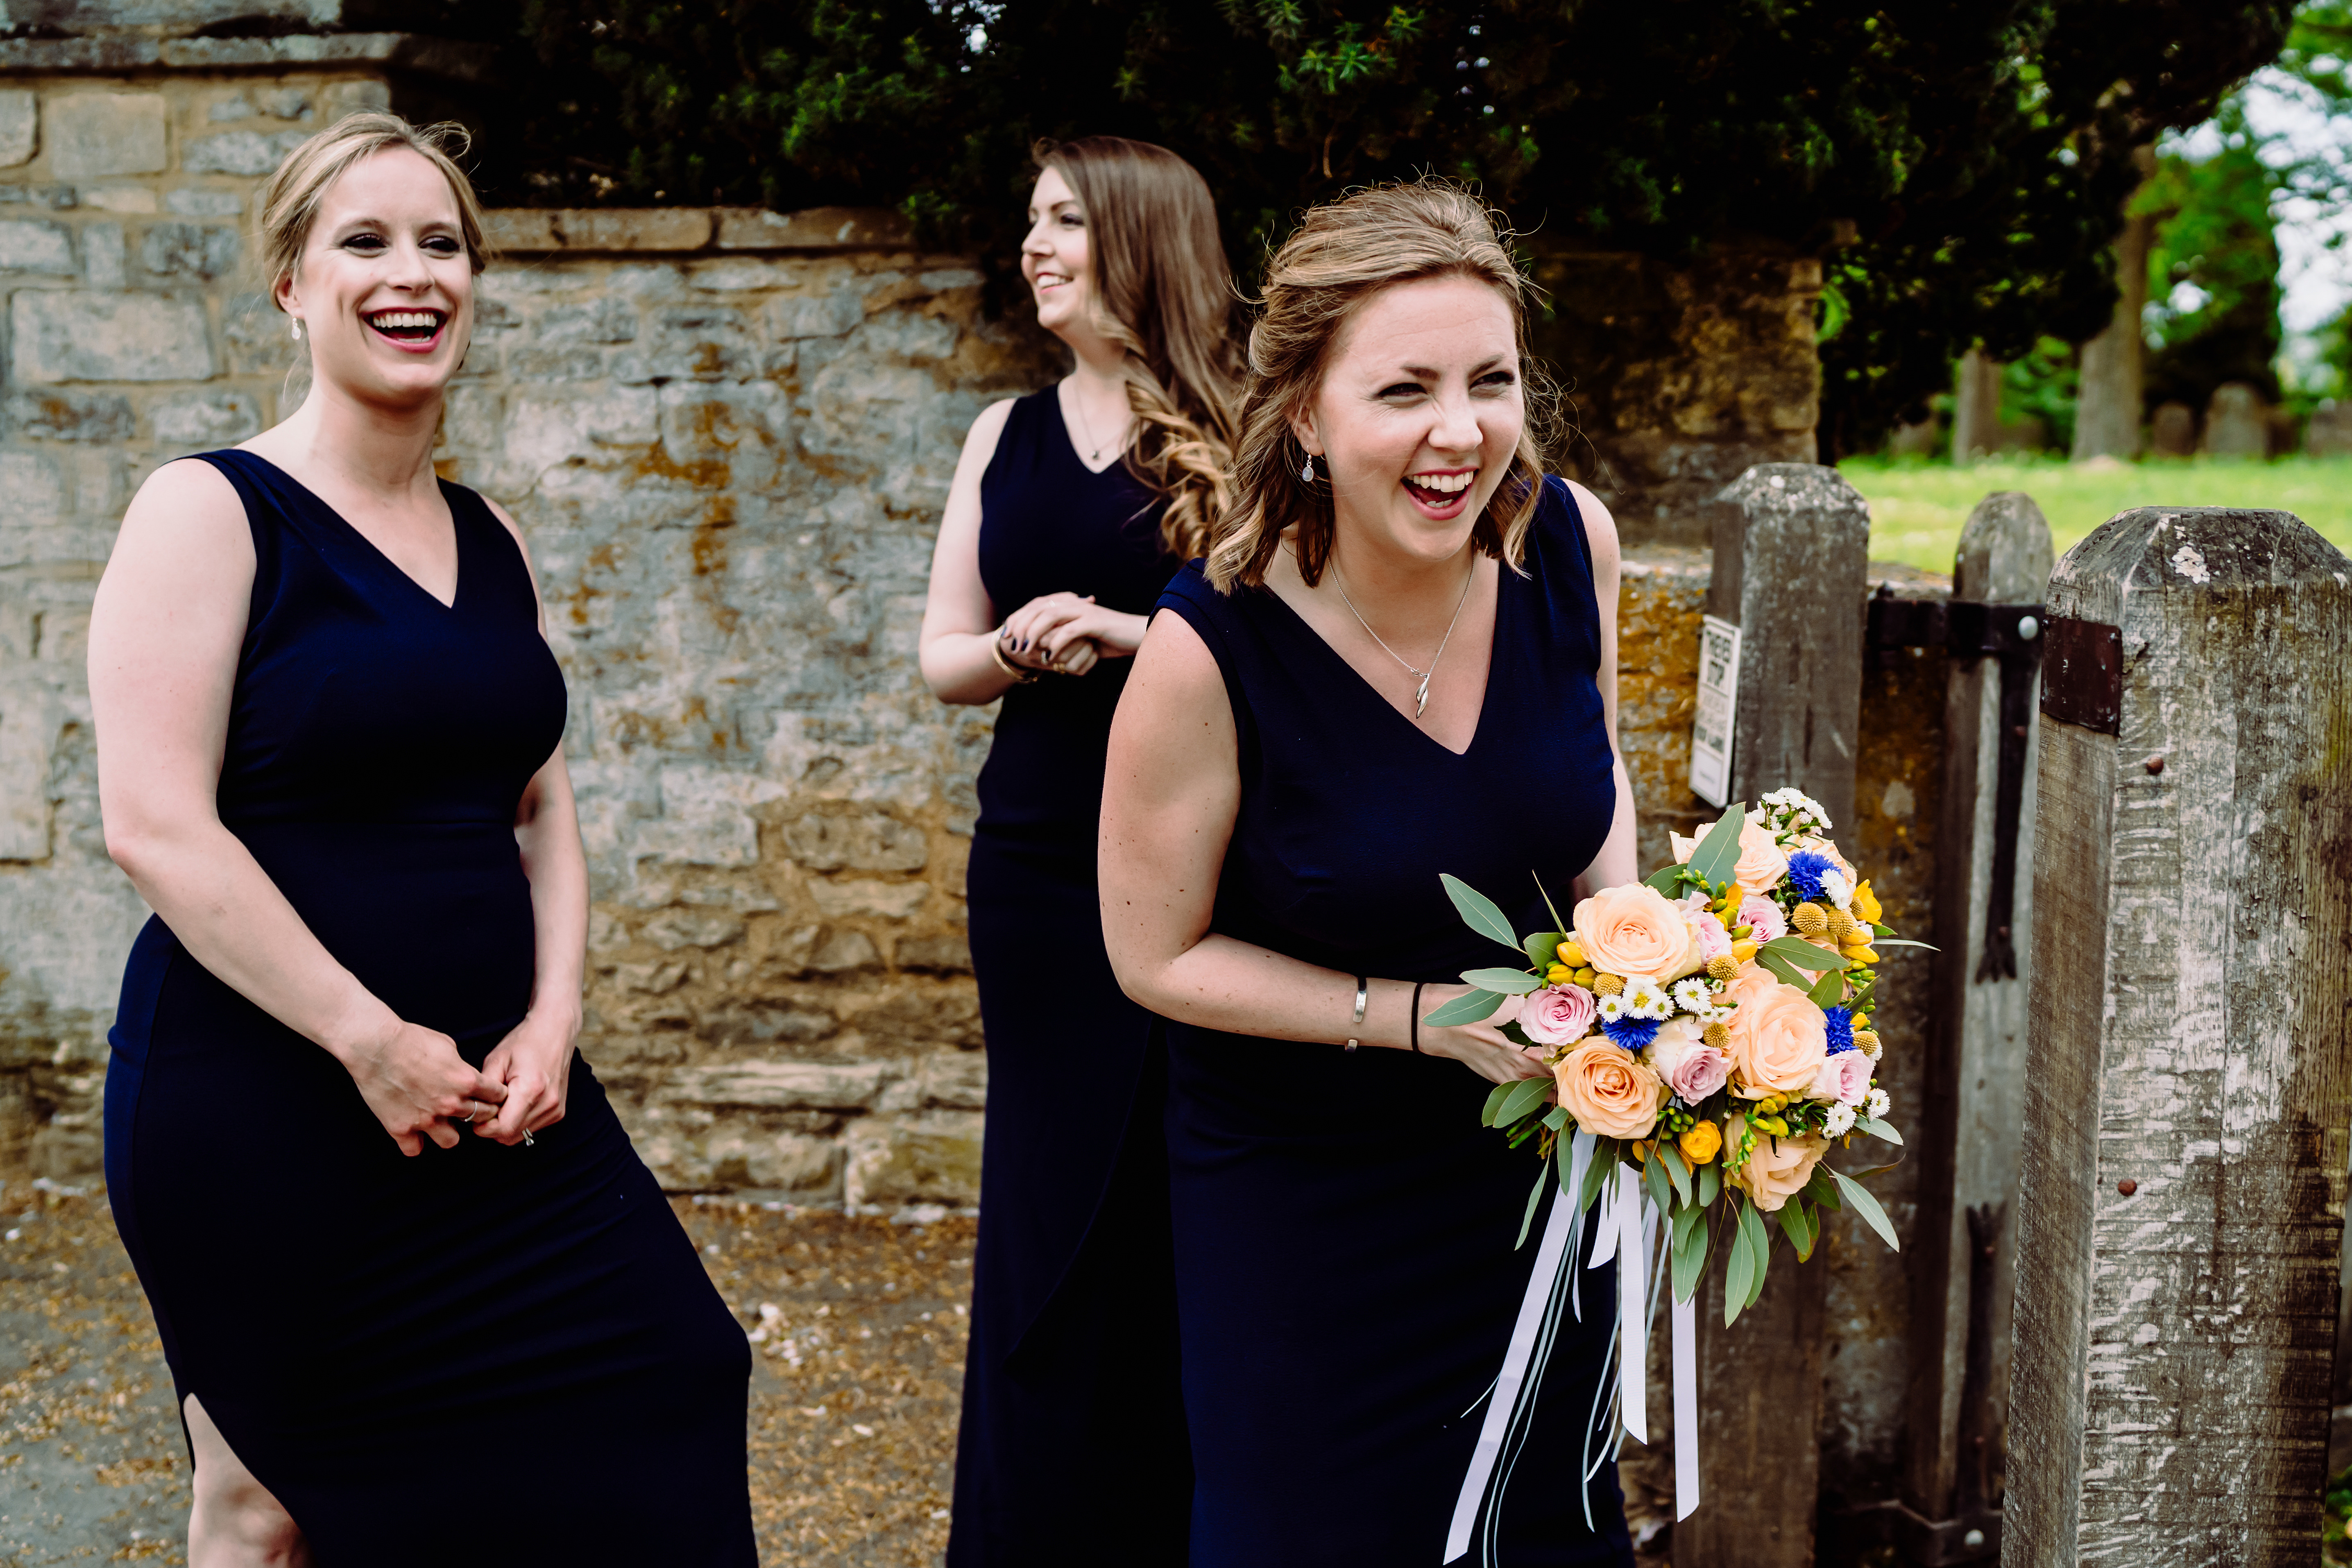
(481, 1354)
(1072, 1447)
(1345, 1279)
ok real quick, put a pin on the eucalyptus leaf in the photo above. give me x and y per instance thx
(1665, 879)
(1781, 969)
(1684, 1218)
(1478, 912)
(1823, 1191)
(1690, 1258)
(1738, 1273)
(1495, 1097)
(1605, 1160)
(1471, 1008)
(1804, 954)
(1556, 1118)
(1654, 1176)
(1676, 1171)
(1877, 1129)
(1867, 1207)
(1760, 1241)
(1543, 948)
(1898, 941)
(1718, 855)
(1828, 991)
(1524, 1096)
(1535, 1196)
(1710, 1182)
(1800, 1231)
(1877, 929)
(1548, 903)
(1504, 982)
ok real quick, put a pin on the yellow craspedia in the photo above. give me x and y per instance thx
(1844, 929)
(1607, 985)
(1571, 955)
(1866, 904)
(1722, 966)
(1718, 1036)
(1810, 919)
(1866, 1042)
(1859, 954)
(1701, 1142)
(1743, 951)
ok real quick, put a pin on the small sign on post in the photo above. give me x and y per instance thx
(1718, 694)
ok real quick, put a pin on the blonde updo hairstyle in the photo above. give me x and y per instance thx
(1161, 290)
(1343, 254)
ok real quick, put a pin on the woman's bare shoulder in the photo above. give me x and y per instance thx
(185, 504)
(1600, 527)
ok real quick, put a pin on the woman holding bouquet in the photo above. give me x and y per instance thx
(1399, 660)
(1068, 511)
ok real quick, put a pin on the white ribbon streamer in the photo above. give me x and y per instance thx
(1686, 1406)
(1633, 1364)
(1558, 1231)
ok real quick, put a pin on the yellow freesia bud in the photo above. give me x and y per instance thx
(1810, 919)
(1859, 954)
(1718, 1036)
(1741, 933)
(1722, 966)
(1773, 1124)
(1743, 951)
(1571, 955)
(1866, 904)
(1642, 1152)
(1607, 985)
(1701, 1142)
(1558, 975)
(1584, 977)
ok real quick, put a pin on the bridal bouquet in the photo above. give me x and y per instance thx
(1709, 1033)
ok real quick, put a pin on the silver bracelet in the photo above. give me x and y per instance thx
(1363, 995)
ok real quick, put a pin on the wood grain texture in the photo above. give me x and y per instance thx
(1970, 1110)
(2192, 970)
(1792, 548)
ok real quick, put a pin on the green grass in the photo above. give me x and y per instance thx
(1917, 506)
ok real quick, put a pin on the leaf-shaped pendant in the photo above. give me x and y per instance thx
(1421, 698)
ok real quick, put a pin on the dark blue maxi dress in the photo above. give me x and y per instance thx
(1345, 1273)
(482, 1355)
(1072, 1448)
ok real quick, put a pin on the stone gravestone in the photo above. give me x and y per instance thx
(2237, 423)
(2173, 432)
(2329, 433)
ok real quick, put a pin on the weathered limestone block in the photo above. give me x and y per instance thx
(200, 420)
(104, 252)
(66, 416)
(20, 126)
(198, 201)
(781, 1085)
(819, 316)
(864, 841)
(189, 250)
(30, 721)
(94, 134)
(930, 1157)
(35, 245)
(86, 335)
(247, 152)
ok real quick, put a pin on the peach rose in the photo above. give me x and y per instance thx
(1635, 929)
(1608, 1090)
(1777, 1169)
(1761, 865)
(1779, 1038)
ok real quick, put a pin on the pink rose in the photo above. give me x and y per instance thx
(1556, 1014)
(1778, 1169)
(1844, 1077)
(1712, 938)
(1763, 918)
(1690, 1066)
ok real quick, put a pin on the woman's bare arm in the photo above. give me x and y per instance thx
(165, 636)
(1170, 796)
(1616, 863)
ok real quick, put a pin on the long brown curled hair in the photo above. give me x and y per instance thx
(1343, 254)
(1161, 290)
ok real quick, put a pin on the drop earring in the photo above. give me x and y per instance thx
(1306, 470)
(296, 326)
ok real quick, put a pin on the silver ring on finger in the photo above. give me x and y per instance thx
(526, 1137)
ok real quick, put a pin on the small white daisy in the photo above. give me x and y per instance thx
(1839, 891)
(1840, 1120)
(1693, 996)
(1646, 998)
(1875, 1104)
(1609, 1009)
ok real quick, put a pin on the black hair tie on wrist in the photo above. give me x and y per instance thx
(1415, 1014)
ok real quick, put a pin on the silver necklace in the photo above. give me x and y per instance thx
(1421, 696)
(1087, 430)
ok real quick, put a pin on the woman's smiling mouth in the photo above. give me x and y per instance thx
(410, 329)
(1441, 492)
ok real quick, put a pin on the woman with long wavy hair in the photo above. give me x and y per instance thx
(1070, 508)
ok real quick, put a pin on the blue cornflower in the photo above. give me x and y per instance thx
(1805, 872)
(1840, 1029)
(1633, 1034)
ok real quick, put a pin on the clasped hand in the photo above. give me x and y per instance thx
(1483, 1048)
(419, 1086)
(1067, 634)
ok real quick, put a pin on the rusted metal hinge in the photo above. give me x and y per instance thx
(2083, 683)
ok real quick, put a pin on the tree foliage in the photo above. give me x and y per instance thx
(1965, 164)
(2213, 270)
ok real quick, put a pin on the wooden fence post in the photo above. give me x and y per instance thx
(1967, 1122)
(2190, 1071)
(1791, 551)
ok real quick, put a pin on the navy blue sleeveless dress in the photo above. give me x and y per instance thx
(481, 1354)
(1345, 1273)
(1072, 1448)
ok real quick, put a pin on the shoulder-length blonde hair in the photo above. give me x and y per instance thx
(1342, 254)
(291, 197)
(1161, 290)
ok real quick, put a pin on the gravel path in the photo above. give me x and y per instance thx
(859, 1324)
